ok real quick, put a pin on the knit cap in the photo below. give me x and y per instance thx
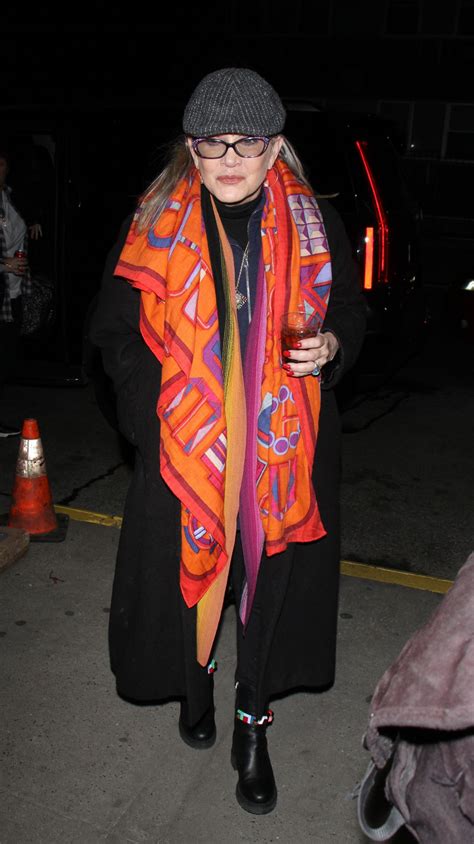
(234, 101)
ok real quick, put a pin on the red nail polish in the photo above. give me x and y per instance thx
(297, 345)
(287, 367)
(287, 354)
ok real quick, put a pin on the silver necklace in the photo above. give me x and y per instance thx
(240, 299)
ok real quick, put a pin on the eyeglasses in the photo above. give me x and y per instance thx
(251, 147)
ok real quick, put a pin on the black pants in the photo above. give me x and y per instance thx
(254, 643)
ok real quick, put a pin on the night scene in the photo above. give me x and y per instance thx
(237, 423)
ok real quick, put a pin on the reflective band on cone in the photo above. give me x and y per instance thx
(32, 503)
(31, 462)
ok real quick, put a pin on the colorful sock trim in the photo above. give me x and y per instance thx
(212, 667)
(252, 719)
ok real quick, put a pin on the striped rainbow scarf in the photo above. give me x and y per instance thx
(236, 437)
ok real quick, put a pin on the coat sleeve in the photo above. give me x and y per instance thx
(127, 360)
(346, 315)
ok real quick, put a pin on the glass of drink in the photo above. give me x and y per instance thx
(296, 326)
(21, 254)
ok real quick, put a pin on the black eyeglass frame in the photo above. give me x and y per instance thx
(265, 138)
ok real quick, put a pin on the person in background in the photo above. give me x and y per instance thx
(14, 280)
(237, 446)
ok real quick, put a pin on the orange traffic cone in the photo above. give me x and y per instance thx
(32, 504)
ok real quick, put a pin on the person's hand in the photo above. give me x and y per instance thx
(35, 231)
(312, 353)
(17, 266)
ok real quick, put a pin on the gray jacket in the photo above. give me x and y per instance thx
(421, 724)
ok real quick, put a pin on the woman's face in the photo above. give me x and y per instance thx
(233, 179)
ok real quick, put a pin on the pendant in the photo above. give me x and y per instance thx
(240, 299)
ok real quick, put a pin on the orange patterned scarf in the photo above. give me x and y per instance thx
(211, 421)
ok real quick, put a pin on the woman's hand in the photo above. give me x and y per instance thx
(35, 231)
(312, 353)
(17, 266)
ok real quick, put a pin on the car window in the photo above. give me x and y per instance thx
(386, 168)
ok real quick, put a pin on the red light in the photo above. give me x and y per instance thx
(381, 218)
(369, 258)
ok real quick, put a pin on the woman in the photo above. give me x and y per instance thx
(231, 473)
(14, 279)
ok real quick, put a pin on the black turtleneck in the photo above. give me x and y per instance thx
(235, 219)
(242, 225)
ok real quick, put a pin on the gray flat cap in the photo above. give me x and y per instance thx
(234, 101)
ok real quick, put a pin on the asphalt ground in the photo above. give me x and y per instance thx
(79, 764)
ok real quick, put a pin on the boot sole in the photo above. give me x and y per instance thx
(248, 805)
(203, 744)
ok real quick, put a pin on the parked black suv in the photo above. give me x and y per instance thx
(354, 160)
(99, 162)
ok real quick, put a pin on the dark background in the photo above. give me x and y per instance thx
(406, 485)
(410, 60)
(97, 88)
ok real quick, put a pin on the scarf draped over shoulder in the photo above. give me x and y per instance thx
(237, 436)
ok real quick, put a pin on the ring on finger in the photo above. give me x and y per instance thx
(316, 371)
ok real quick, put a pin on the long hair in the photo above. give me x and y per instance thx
(180, 165)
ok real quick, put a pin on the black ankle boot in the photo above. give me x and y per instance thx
(256, 790)
(201, 735)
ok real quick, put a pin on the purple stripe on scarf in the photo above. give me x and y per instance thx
(251, 528)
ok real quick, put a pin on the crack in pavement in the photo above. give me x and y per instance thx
(75, 492)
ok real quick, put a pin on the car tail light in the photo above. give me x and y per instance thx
(382, 227)
(369, 258)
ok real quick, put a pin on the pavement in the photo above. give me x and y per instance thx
(79, 764)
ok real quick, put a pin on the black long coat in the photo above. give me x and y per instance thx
(152, 632)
